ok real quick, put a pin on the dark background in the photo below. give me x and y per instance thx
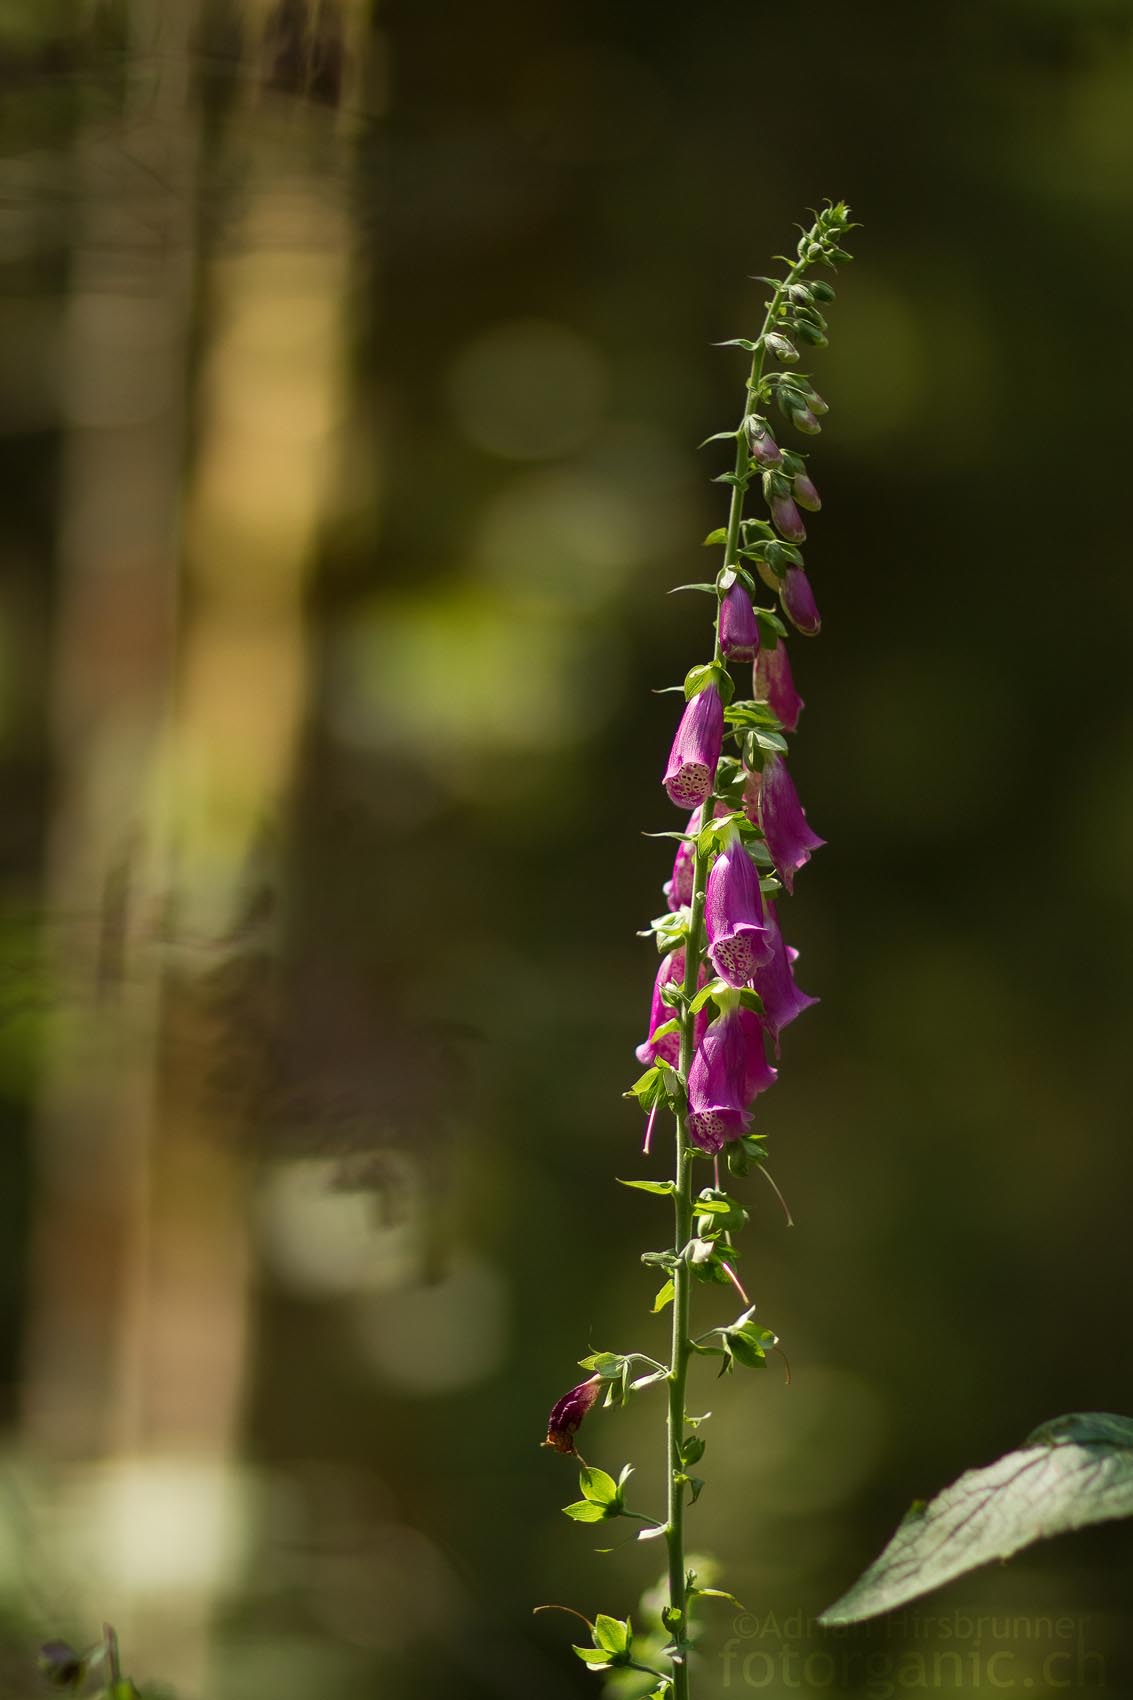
(353, 368)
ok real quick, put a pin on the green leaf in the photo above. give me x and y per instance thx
(773, 742)
(664, 1297)
(720, 535)
(692, 1449)
(710, 588)
(713, 1594)
(718, 437)
(1071, 1472)
(585, 1511)
(663, 1189)
(598, 1486)
(737, 342)
(696, 1485)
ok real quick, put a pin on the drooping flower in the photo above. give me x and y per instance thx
(739, 628)
(788, 520)
(670, 972)
(775, 983)
(773, 684)
(799, 605)
(733, 914)
(566, 1417)
(728, 1070)
(696, 749)
(678, 887)
(789, 836)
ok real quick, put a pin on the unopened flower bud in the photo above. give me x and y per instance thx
(765, 450)
(799, 605)
(810, 333)
(821, 290)
(773, 683)
(61, 1664)
(739, 629)
(781, 347)
(815, 402)
(788, 520)
(806, 495)
(804, 420)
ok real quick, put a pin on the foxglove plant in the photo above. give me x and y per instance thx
(746, 838)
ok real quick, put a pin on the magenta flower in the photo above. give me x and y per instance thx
(678, 888)
(799, 605)
(775, 983)
(773, 684)
(671, 971)
(696, 749)
(566, 1416)
(739, 628)
(783, 819)
(727, 1072)
(806, 493)
(788, 520)
(733, 914)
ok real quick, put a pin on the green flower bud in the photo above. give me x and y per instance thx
(781, 347)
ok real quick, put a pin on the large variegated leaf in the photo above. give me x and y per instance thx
(1072, 1471)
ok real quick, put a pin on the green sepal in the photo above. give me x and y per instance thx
(720, 535)
(585, 1511)
(710, 588)
(594, 1657)
(598, 1486)
(707, 993)
(698, 679)
(718, 437)
(692, 1449)
(612, 1634)
(664, 1297)
(663, 1189)
(606, 1364)
(737, 342)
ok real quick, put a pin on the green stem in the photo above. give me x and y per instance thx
(682, 1197)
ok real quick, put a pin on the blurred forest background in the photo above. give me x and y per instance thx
(352, 367)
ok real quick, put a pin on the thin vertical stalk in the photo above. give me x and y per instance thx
(683, 1196)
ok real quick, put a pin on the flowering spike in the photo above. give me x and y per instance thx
(566, 1416)
(691, 772)
(729, 1069)
(799, 605)
(733, 914)
(773, 684)
(739, 628)
(783, 1001)
(783, 819)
